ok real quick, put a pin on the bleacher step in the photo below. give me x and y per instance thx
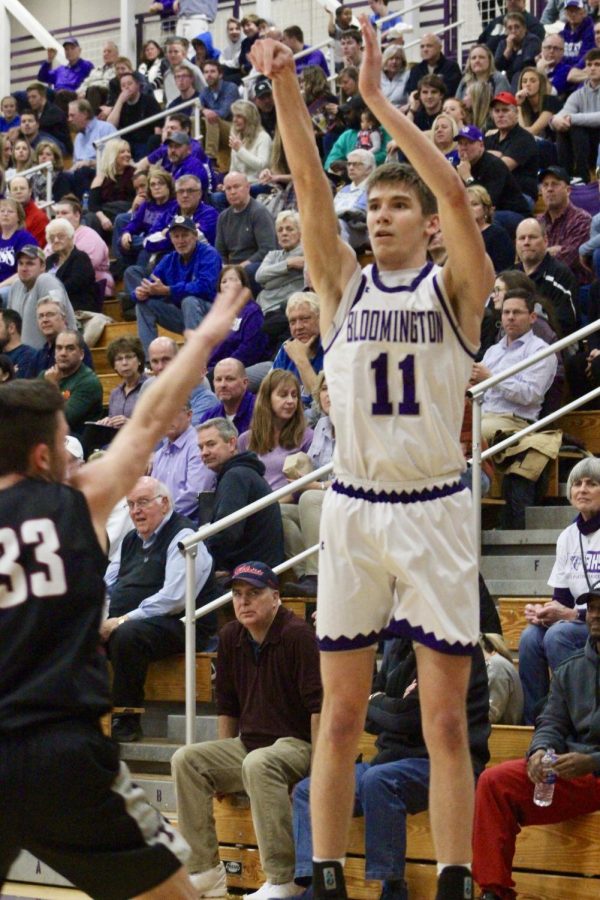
(206, 728)
(28, 868)
(159, 789)
(525, 542)
(549, 516)
(534, 567)
(506, 587)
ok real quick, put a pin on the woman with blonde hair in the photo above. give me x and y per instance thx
(478, 98)
(504, 684)
(443, 135)
(278, 427)
(481, 67)
(112, 189)
(250, 144)
(394, 74)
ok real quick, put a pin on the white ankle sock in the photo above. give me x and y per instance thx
(442, 866)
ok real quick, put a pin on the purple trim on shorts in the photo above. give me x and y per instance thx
(359, 292)
(396, 628)
(453, 324)
(408, 287)
(394, 497)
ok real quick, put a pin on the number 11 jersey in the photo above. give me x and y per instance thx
(397, 367)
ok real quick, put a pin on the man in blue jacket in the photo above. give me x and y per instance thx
(179, 292)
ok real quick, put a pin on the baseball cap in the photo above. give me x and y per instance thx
(73, 446)
(470, 132)
(505, 97)
(557, 171)
(263, 88)
(255, 573)
(70, 40)
(578, 3)
(179, 137)
(589, 595)
(183, 222)
(31, 251)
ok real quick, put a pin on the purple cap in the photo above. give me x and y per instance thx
(470, 132)
(578, 3)
(70, 40)
(255, 573)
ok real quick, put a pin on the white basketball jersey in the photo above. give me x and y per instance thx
(397, 367)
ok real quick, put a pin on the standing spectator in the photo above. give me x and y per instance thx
(217, 99)
(52, 119)
(21, 355)
(177, 464)
(245, 231)
(65, 78)
(34, 283)
(194, 16)
(577, 124)
(132, 106)
(246, 341)
(71, 266)
(250, 28)
(77, 383)
(293, 37)
(89, 129)
(433, 62)
(182, 287)
(229, 58)
(87, 240)
(35, 218)
(13, 236)
(567, 226)
(249, 142)
(112, 189)
(236, 402)
(95, 87)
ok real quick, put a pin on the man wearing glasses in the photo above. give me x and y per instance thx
(146, 586)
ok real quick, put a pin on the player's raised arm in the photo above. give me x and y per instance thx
(330, 261)
(468, 273)
(104, 482)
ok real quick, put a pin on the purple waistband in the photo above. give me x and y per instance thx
(394, 497)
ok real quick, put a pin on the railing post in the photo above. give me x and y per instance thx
(476, 472)
(4, 50)
(197, 119)
(190, 644)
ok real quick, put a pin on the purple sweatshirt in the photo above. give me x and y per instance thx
(148, 214)
(65, 78)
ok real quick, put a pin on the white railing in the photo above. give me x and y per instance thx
(440, 31)
(39, 168)
(329, 43)
(477, 393)
(163, 114)
(188, 548)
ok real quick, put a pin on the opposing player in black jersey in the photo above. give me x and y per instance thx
(64, 795)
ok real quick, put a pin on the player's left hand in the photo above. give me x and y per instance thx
(574, 765)
(369, 79)
(271, 57)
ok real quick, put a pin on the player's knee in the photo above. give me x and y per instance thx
(340, 724)
(446, 731)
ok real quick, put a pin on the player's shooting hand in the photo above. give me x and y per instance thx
(369, 79)
(271, 57)
(574, 765)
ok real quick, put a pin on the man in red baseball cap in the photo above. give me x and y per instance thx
(513, 144)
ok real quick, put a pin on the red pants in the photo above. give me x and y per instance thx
(504, 803)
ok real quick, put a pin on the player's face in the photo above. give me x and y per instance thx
(214, 451)
(585, 496)
(303, 322)
(397, 227)
(254, 607)
(284, 402)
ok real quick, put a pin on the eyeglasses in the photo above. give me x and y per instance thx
(125, 357)
(187, 190)
(144, 503)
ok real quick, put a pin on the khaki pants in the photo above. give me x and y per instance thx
(203, 770)
(216, 136)
(301, 529)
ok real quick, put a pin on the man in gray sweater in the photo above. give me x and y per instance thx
(32, 284)
(245, 231)
(577, 125)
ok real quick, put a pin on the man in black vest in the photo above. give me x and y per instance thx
(146, 585)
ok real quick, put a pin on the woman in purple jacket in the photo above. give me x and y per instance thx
(246, 341)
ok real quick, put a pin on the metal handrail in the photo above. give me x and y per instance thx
(477, 392)
(39, 168)
(437, 33)
(163, 114)
(329, 43)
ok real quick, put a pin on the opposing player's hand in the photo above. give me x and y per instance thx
(271, 57)
(228, 304)
(369, 79)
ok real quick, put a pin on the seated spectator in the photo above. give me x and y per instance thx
(51, 118)
(33, 283)
(236, 402)
(131, 229)
(537, 105)
(87, 240)
(246, 341)
(458, 110)
(48, 151)
(518, 48)
(161, 352)
(79, 384)
(30, 129)
(53, 316)
(301, 520)
(95, 87)
(133, 106)
(263, 100)
(395, 75)
(183, 161)
(13, 236)
(506, 692)
(346, 142)
(433, 62)
(552, 279)
(123, 66)
(88, 130)
(250, 28)
(35, 218)
(71, 266)
(513, 145)
(146, 586)
(515, 402)
(577, 124)
(188, 194)
(65, 78)
(578, 73)
(176, 55)
(203, 49)
(181, 288)
(322, 105)
(245, 231)
(126, 356)
(425, 103)
(498, 244)
(22, 157)
(504, 799)
(229, 58)
(281, 273)
(350, 202)
(443, 135)
(293, 37)
(217, 98)
(170, 162)
(239, 482)
(551, 63)
(481, 67)
(578, 33)
(556, 629)
(303, 353)
(249, 142)
(351, 48)
(278, 426)
(150, 67)
(19, 354)
(268, 715)
(339, 21)
(176, 463)
(184, 81)
(112, 189)
(9, 117)
(493, 31)
(396, 781)
(567, 226)
(5, 153)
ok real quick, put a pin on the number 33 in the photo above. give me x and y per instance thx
(13, 577)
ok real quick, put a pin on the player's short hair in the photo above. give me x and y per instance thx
(28, 417)
(527, 297)
(392, 172)
(226, 429)
(585, 468)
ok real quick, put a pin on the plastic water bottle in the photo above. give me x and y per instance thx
(544, 792)
(85, 202)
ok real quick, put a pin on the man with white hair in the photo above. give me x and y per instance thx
(146, 586)
(350, 203)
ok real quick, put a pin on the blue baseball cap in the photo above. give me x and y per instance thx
(470, 132)
(256, 574)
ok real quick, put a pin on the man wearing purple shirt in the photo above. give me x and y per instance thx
(293, 38)
(236, 402)
(182, 160)
(177, 464)
(69, 77)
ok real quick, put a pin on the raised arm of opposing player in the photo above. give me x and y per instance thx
(107, 480)
(331, 262)
(468, 272)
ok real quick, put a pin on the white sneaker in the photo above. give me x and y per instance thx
(270, 891)
(212, 883)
